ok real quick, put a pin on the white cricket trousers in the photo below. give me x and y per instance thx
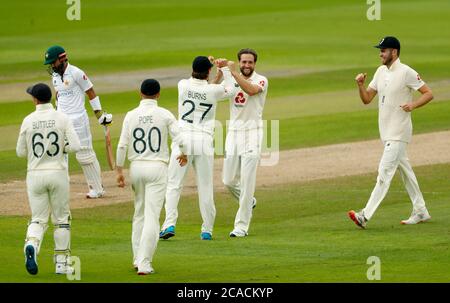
(201, 157)
(394, 156)
(87, 157)
(242, 155)
(149, 182)
(48, 193)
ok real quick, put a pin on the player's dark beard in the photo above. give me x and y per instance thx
(246, 74)
(59, 69)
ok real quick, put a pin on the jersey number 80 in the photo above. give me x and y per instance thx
(139, 135)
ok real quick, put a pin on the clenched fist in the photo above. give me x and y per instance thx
(407, 107)
(231, 65)
(360, 78)
(221, 62)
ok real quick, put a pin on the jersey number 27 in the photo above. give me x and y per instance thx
(192, 105)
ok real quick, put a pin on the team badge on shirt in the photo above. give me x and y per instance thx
(239, 100)
(66, 82)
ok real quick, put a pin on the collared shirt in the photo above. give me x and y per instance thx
(395, 86)
(145, 133)
(246, 111)
(70, 90)
(43, 136)
(197, 103)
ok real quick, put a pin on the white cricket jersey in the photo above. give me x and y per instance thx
(42, 139)
(197, 103)
(71, 89)
(246, 111)
(395, 86)
(145, 132)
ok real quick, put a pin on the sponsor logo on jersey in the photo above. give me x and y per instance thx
(239, 99)
(65, 93)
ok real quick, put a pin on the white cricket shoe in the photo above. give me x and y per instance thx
(92, 194)
(64, 269)
(237, 233)
(145, 268)
(417, 218)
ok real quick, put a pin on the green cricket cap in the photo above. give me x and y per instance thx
(54, 52)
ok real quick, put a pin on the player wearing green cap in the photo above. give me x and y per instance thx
(71, 84)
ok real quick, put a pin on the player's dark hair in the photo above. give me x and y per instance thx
(43, 101)
(247, 51)
(200, 76)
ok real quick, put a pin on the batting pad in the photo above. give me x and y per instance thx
(61, 236)
(93, 175)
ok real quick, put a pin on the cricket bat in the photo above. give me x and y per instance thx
(109, 151)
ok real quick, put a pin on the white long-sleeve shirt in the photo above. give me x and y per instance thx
(43, 137)
(145, 133)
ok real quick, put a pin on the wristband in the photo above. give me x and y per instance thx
(95, 103)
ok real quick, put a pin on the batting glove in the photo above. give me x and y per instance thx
(104, 118)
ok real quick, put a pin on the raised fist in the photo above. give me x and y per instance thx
(221, 62)
(231, 65)
(360, 78)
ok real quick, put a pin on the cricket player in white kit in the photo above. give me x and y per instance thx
(144, 137)
(244, 136)
(71, 84)
(197, 103)
(394, 82)
(43, 137)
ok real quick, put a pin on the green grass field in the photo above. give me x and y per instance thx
(300, 232)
